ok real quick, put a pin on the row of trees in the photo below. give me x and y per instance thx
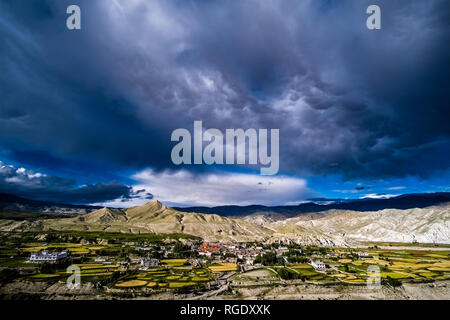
(268, 259)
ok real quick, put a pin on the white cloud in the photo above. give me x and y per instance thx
(378, 196)
(396, 188)
(347, 191)
(220, 188)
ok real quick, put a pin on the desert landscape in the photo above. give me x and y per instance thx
(156, 252)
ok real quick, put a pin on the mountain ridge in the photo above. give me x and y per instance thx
(403, 202)
(333, 227)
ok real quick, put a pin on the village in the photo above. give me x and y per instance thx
(244, 255)
(151, 266)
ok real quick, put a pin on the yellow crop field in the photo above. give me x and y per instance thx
(96, 247)
(356, 280)
(442, 264)
(131, 284)
(34, 249)
(156, 272)
(96, 274)
(339, 275)
(394, 275)
(345, 260)
(175, 285)
(79, 250)
(405, 260)
(302, 266)
(152, 284)
(200, 279)
(99, 266)
(222, 267)
(439, 269)
(87, 266)
(145, 278)
(45, 276)
(434, 255)
(379, 262)
(428, 275)
(418, 266)
(174, 262)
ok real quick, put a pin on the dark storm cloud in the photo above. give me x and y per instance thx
(21, 181)
(347, 100)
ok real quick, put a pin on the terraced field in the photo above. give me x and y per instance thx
(166, 278)
(223, 267)
(256, 275)
(404, 265)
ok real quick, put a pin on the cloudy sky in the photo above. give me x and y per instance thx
(86, 115)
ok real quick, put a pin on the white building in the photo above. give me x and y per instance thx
(143, 248)
(318, 265)
(45, 255)
(363, 254)
(149, 263)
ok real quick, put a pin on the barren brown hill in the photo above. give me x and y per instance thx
(152, 217)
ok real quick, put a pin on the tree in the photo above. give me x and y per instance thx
(182, 251)
(392, 282)
(269, 259)
(287, 274)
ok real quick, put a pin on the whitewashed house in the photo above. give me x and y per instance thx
(100, 259)
(318, 265)
(149, 263)
(363, 254)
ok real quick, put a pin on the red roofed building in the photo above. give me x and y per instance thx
(211, 247)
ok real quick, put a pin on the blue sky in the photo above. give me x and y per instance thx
(86, 115)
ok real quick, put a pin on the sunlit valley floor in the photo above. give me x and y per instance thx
(156, 252)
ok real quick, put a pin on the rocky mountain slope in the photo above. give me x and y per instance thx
(405, 201)
(424, 225)
(331, 227)
(153, 217)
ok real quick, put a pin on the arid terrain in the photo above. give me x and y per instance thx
(332, 227)
(154, 251)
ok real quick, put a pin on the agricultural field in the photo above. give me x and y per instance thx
(104, 263)
(166, 278)
(223, 267)
(113, 266)
(404, 265)
(256, 275)
(174, 262)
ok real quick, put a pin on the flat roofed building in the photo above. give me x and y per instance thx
(319, 265)
(149, 263)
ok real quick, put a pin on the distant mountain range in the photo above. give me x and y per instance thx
(13, 207)
(407, 201)
(422, 217)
